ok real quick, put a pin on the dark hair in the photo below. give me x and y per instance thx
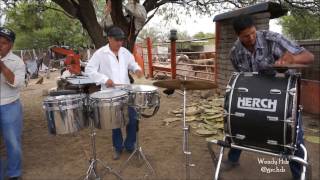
(242, 22)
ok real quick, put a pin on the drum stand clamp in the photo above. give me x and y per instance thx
(138, 150)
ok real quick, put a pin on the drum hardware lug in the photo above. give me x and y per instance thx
(187, 152)
(272, 142)
(275, 91)
(225, 113)
(292, 91)
(248, 74)
(272, 118)
(228, 88)
(185, 128)
(288, 121)
(240, 136)
(238, 114)
(288, 146)
(242, 89)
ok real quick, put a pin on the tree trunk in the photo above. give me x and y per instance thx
(126, 23)
(84, 11)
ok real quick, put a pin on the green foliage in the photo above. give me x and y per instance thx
(37, 27)
(154, 33)
(202, 35)
(301, 25)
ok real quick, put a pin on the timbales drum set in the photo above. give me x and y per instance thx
(261, 114)
(69, 111)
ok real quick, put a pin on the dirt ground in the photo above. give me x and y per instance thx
(65, 157)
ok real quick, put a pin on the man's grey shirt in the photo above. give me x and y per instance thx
(269, 47)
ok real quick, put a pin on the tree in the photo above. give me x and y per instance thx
(301, 25)
(155, 34)
(39, 29)
(84, 11)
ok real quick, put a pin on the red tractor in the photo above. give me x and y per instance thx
(72, 61)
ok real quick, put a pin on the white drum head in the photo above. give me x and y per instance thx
(64, 97)
(108, 94)
(140, 88)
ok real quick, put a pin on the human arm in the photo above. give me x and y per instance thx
(92, 69)
(289, 52)
(134, 67)
(305, 57)
(15, 77)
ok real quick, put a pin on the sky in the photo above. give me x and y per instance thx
(192, 25)
(197, 24)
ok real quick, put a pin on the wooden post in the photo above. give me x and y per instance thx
(173, 59)
(173, 38)
(150, 65)
(217, 44)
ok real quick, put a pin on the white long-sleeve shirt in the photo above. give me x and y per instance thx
(11, 92)
(104, 65)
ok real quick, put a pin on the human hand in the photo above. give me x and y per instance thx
(287, 58)
(139, 73)
(109, 83)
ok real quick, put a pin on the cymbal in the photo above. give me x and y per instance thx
(185, 84)
(289, 66)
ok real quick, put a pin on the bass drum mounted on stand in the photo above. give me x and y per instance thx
(261, 112)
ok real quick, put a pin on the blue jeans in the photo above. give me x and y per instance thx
(131, 129)
(296, 168)
(11, 131)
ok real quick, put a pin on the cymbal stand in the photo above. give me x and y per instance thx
(185, 145)
(138, 149)
(92, 169)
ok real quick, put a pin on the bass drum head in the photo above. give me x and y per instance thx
(257, 111)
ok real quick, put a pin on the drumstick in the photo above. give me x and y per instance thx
(120, 84)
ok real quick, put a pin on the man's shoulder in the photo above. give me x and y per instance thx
(102, 49)
(12, 57)
(125, 51)
(269, 35)
(236, 47)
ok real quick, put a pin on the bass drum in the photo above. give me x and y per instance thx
(261, 112)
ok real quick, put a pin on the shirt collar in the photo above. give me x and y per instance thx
(259, 44)
(243, 50)
(107, 49)
(240, 48)
(7, 57)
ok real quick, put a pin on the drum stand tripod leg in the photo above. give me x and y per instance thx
(138, 150)
(186, 149)
(304, 168)
(216, 175)
(94, 161)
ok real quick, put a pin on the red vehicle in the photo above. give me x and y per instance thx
(72, 61)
